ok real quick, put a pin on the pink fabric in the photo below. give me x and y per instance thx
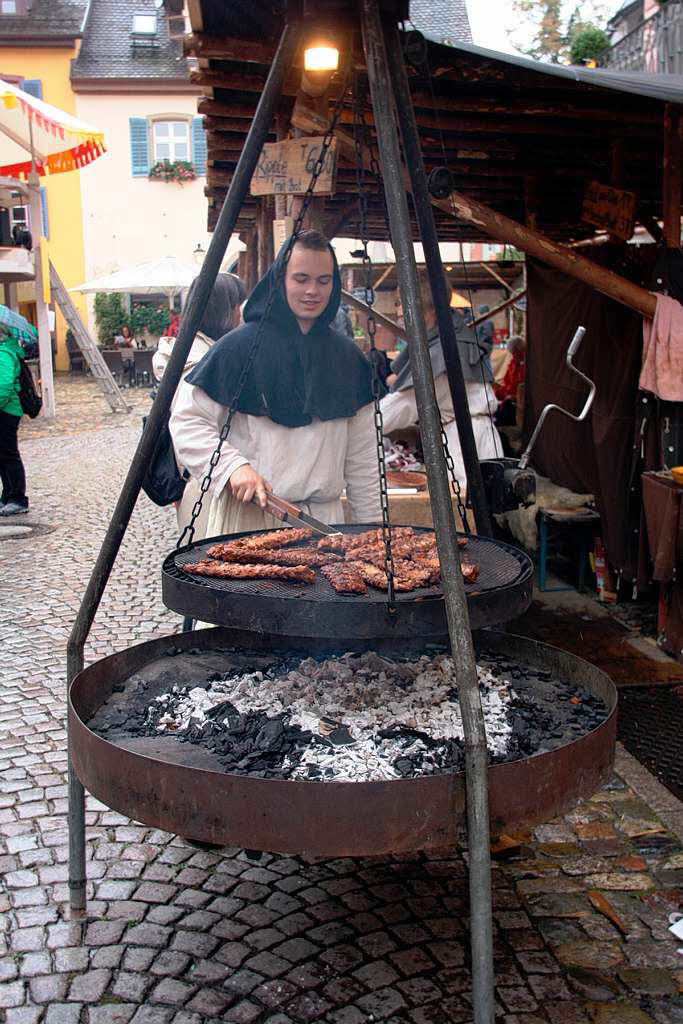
(662, 370)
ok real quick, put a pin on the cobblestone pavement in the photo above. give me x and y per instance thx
(177, 935)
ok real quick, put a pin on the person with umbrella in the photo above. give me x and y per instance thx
(13, 500)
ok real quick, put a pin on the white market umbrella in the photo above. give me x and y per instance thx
(167, 275)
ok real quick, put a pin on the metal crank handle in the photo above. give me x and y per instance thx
(571, 352)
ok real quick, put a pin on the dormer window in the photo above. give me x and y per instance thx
(143, 24)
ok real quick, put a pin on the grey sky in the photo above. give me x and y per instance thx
(491, 20)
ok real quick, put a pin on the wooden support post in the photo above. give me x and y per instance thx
(671, 198)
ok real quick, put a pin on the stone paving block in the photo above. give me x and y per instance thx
(274, 993)
(268, 963)
(193, 942)
(8, 970)
(170, 962)
(147, 935)
(12, 994)
(172, 992)
(90, 986)
(116, 1013)
(295, 950)
(348, 1015)
(419, 991)
(242, 982)
(415, 960)
(565, 1013)
(206, 972)
(152, 1015)
(104, 933)
(209, 1002)
(108, 956)
(138, 959)
(381, 1003)
(131, 986)
(242, 1013)
(24, 1015)
(308, 1008)
(63, 1013)
(163, 914)
(35, 963)
(49, 989)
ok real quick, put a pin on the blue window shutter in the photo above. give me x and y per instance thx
(198, 145)
(34, 87)
(43, 213)
(139, 146)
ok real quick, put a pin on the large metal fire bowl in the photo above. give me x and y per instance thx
(502, 591)
(178, 787)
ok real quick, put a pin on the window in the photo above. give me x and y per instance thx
(171, 140)
(8, 6)
(144, 24)
(166, 137)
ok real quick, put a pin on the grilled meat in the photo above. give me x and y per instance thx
(343, 578)
(470, 571)
(229, 570)
(411, 577)
(273, 539)
(288, 556)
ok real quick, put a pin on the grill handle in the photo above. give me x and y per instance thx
(571, 352)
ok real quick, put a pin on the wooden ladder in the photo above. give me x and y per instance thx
(91, 353)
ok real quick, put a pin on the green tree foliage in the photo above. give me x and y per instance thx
(110, 316)
(547, 28)
(156, 320)
(587, 43)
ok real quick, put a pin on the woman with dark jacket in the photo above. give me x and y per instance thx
(13, 501)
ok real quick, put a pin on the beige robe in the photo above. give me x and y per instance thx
(309, 465)
(399, 410)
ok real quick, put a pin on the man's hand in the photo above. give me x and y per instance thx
(245, 482)
(391, 380)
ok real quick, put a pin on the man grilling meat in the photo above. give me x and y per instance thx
(304, 421)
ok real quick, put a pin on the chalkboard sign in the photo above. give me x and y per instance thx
(285, 168)
(610, 208)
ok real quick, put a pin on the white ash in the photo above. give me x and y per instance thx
(358, 698)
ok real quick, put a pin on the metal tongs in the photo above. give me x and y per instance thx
(571, 352)
(288, 513)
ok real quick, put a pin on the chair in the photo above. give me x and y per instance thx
(112, 358)
(144, 374)
(76, 359)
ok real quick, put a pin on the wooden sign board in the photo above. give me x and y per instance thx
(285, 168)
(610, 208)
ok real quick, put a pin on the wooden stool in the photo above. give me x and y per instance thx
(563, 517)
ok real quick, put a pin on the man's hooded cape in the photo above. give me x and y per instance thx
(295, 377)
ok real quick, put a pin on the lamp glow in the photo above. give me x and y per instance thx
(321, 58)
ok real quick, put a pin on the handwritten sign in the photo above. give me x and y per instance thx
(610, 208)
(285, 168)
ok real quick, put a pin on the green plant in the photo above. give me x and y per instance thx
(587, 43)
(155, 320)
(173, 170)
(110, 316)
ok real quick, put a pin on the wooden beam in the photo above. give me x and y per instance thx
(499, 308)
(497, 276)
(671, 197)
(228, 48)
(504, 229)
(400, 332)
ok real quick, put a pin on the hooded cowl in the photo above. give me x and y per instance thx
(295, 377)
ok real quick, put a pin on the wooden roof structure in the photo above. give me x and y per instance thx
(522, 137)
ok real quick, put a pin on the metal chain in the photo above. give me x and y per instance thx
(275, 284)
(455, 483)
(359, 126)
